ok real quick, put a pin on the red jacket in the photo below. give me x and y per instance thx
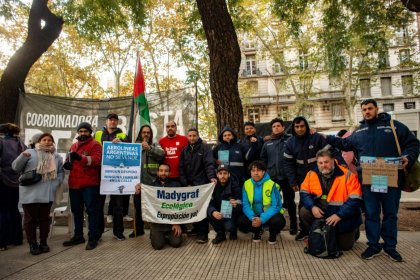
(87, 171)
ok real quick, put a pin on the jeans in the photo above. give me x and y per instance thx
(138, 218)
(80, 198)
(275, 224)
(389, 203)
(289, 201)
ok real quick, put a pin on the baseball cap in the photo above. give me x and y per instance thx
(112, 116)
(222, 167)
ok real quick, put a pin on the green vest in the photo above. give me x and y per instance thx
(98, 136)
(267, 188)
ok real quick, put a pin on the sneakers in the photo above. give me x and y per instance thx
(272, 239)
(233, 235)
(370, 253)
(257, 236)
(302, 235)
(34, 249)
(92, 243)
(75, 240)
(203, 238)
(127, 218)
(43, 247)
(393, 255)
(119, 237)
(220, 237)
(109, 219)
(192, 232)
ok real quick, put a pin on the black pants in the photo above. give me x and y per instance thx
(139, 221)
(344, 240)
(100, 210)
(275, 224)
(126, 205)
(36, 214)
(289, 201)
(10, 219)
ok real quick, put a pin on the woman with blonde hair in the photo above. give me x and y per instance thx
(37, 192)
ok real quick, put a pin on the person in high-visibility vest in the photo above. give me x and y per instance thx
(262, 205)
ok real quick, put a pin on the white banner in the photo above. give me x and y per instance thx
(120, 170)
(180, 205)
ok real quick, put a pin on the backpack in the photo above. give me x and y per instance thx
(322, 241)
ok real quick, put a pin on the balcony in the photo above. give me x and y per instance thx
(248, 73)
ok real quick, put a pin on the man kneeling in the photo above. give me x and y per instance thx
(262, 204)
(160, 234)
(333, 193)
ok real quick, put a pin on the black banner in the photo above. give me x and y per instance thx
(60, 115)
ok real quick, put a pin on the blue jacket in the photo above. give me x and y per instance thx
(237, 154)
(375, 138)
(231, 190)
(300, 153)
(257, 208)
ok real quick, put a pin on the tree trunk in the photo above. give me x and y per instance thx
(39, 39)
(225, 59)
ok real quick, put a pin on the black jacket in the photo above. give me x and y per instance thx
(300, 153)
(231, 190)
(272, 154)
(252, 150)
(196, 166)
(237, 154)
(170, 183)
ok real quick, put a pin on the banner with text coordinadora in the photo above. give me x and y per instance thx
(182, 205)
(120, 170)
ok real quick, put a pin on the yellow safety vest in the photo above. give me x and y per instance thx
(98, 136)
(267, 188)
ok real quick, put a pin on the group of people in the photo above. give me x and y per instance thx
(249, 174)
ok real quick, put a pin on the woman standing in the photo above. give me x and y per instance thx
(37, 198)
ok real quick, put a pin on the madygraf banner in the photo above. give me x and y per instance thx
(60, 116)
(120, 170)
(183, 205)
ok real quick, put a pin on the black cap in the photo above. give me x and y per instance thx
(85, 125)
(222, 167)
(112, 116)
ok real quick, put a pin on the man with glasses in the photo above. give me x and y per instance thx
(300, 157)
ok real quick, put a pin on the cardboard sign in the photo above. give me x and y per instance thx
(378, 166)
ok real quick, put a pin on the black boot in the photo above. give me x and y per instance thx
(75, 240)
(34, 249)
(92, 243)
(43, 247)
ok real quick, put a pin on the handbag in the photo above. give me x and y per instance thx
(412, 176)
(29, 178)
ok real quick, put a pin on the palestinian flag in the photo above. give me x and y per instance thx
(139, 96)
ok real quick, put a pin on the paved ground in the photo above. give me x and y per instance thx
(241, 259)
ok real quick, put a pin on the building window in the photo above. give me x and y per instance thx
(383, 59)
(404, 55)
(254, 115)
(277, 68)
(409, 105)
(280, 85)
(325, 108)
(386, 86)
(284, 113)
(337, 112)
(249, 44)
(388, 107)
(308, 112)
(365, 87)
(251, 65)
(407, 84)
(303, 60)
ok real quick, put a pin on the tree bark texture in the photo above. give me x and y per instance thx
(225, 59)
(40, 38)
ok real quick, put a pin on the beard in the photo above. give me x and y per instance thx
(83, 137)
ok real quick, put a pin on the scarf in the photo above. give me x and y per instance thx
(276, 136)
(46, 162)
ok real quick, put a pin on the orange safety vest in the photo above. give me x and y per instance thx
(344, 187)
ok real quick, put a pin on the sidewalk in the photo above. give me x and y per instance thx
(241, 259)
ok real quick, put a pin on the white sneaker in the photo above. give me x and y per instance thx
(127, 219)
(109, 219)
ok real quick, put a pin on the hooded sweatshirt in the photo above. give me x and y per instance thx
(300, 153)
(237, 154)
